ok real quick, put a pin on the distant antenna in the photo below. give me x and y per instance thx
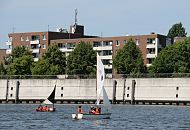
(101, 34)
(13, 30)
(76, 16)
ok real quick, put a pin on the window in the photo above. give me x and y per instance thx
(107, 43)
(44, 37)
(61, 95)
(176, 96)
(151, 50)
(127, 95)
(150, 60)
(106, 61)
(177, 88)
(35, 46)
(10, 47)
(35, 37)
(107, 52)
(61, 88)
(97, 44)
(60, 45)
(137, 42)
(43, 46)
(27, 38)
(11, 95)
(125, 41)
(108, 71)
(11, 88)
(151, 40)
(21, 38)
(64, 45)
(35, 55)
(128, 88)
(70, 45)
(117, 43)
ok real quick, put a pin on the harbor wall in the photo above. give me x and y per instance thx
(145, 90)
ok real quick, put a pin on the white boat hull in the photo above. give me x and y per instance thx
(91, 116)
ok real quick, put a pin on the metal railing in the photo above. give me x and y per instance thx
(107, 76)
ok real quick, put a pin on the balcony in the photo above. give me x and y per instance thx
(36, 59)
(66, 49)
(108, 66)
(148, 65)
(8, 43)
(151, 46)
(150, 55)
(35, 50)
(35, 42)
(106, 57)
(63, 49)
(8, 51)
(99, 48)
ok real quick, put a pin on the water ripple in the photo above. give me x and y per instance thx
(23, 117)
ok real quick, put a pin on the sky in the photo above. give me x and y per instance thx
(100, 17)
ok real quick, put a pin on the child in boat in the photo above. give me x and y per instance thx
(98, 110)
(45, 108)
(79, 109)
(92, 110)
(39, 108)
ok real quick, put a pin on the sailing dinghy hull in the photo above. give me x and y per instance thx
(91, 116)
(50, 110)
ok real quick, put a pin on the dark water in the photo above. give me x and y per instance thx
(23, 117)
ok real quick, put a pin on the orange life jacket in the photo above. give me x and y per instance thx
(80, 110)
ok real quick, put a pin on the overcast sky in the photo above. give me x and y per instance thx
(111, 17)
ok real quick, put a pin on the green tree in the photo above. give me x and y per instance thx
(52, 63)
(128, 60)
(20, 61)
(173, 59)
(177, 30)
(17, 52)
(82, 60)
(42, 67)
(56, 57)
(20, 66)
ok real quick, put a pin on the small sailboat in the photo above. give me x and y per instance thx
(48, 104)
(101, 92)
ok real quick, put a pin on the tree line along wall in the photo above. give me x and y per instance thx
(145, 89)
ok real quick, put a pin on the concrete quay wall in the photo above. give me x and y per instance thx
(145, 90)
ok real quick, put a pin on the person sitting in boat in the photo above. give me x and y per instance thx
(92, 110)
(45, 108)
(39, 108)
(79, 109)
(98, 110)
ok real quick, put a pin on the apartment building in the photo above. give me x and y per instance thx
(107, 47)
(38, 42)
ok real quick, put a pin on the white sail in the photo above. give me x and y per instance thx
(47, 102)
(100, 93)
(100, 78)
(106, 101)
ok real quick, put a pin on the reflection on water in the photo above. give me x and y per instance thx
(123, 117)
